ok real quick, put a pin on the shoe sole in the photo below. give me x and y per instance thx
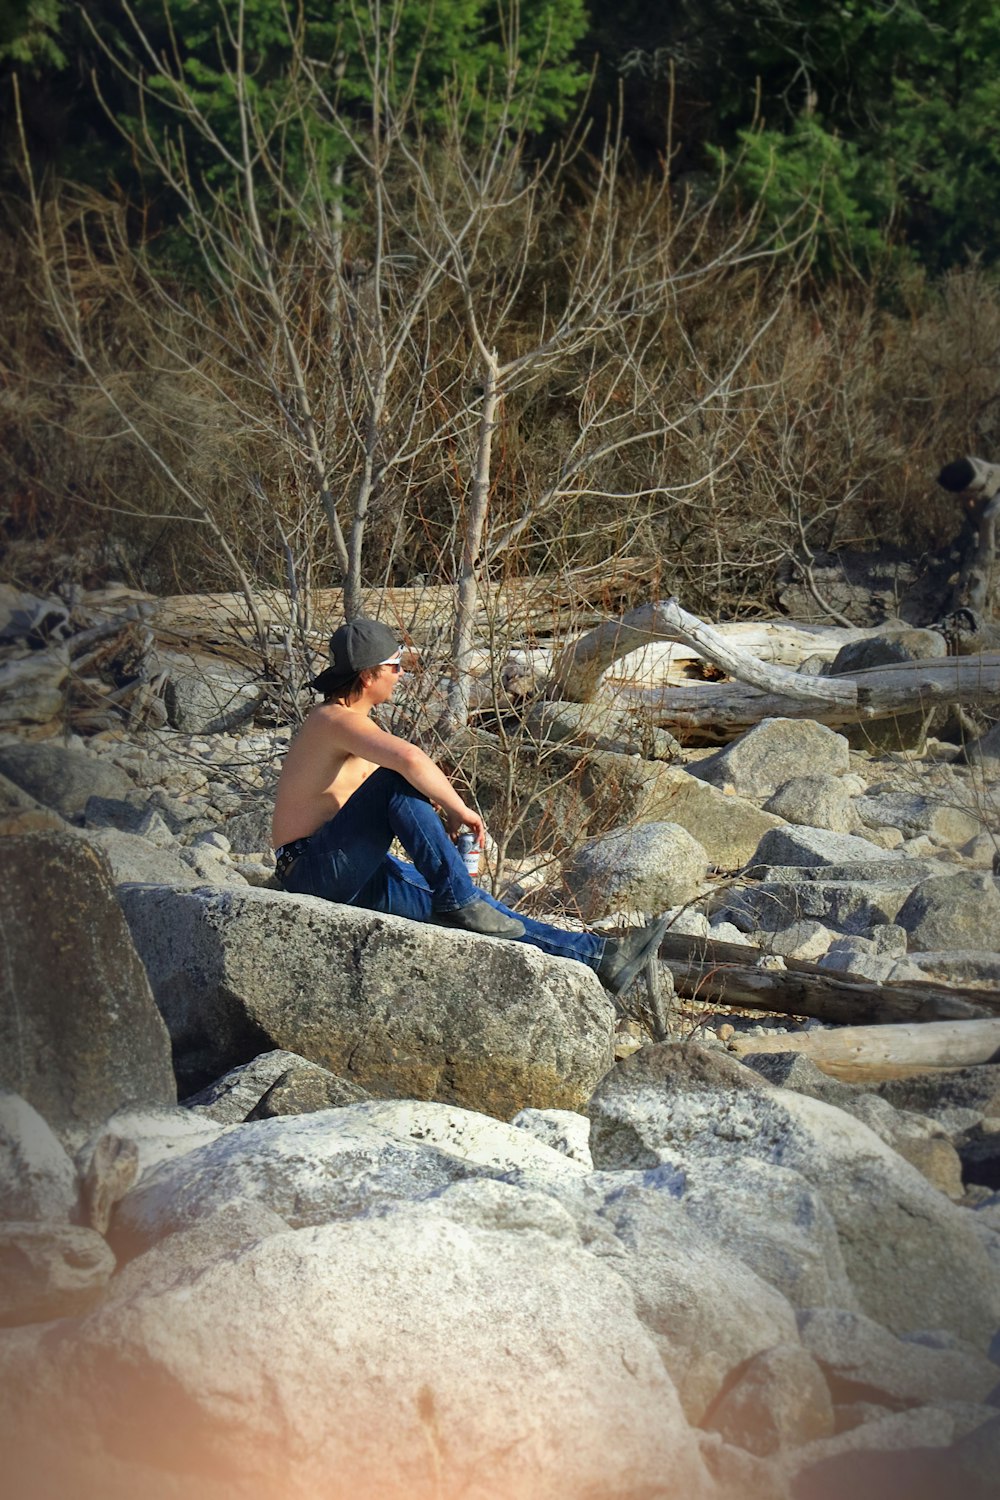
(646, 952)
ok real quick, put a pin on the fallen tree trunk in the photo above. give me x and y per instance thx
(726, 974)
(720, 710)
(876, 693)
(858, 1054)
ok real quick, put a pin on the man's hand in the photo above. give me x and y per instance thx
(466, 817)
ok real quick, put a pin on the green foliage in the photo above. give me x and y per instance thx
(436, 48)
(815, 186)
(28, 34)
(906, 93)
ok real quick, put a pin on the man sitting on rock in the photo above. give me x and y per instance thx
(348, 788)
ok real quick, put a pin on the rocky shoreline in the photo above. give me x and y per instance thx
(432, 1219)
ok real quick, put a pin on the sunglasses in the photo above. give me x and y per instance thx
(393, 663)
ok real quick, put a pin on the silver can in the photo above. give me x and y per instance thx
(469, 850)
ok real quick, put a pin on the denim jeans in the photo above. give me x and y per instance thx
(348, 860)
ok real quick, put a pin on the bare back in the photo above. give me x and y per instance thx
(318, 776)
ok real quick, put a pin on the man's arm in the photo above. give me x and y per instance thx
(358, 736)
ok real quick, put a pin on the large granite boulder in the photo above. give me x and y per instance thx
(62, 777)
(335, 1164)
(960, 910)
(900, 731)
(37, 1177)
(863, 1361)
(914, 1260)
(405, 1009)
(463, 1346)
(80, 1034)
(644, 869)
(728, 828)
(773, 752)
(687, 1281)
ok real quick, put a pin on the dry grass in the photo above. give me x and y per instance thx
(829, 433)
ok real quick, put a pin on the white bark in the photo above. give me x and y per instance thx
(859, 1053)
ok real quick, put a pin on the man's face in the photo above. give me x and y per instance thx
(385, 682)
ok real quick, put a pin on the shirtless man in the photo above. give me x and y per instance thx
(348, 788)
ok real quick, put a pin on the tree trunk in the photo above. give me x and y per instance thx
(764, 689)
(472, 542)
(865, 1054)
(725, 974)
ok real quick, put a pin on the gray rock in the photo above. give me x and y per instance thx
(37, 1178)
(602, 725)
(378, 1000)
(780, 1400)
(805, 940)
(249, 830)
(80, 1035)
(677, 1270)
(979, 1149)
(983, 752)
(957, 966)
(864, 1362)
(973, 1090)
(728, 828)
(977, 1460)
(887, 649)
(113, 812)
(50, 1271)
(817, 802)
(953, 911)
(133, 860)
(923, 1143)
(13, 799)
(772, 753)
(111, 1167)
(231, 1098)
(184, 1255)
(739, 1473)
(852, 955)
(33, 688)
(914, 814)
(204, 695)
(337, 1164)
(773, 1220)
(850, 906)
(60, 777)
(645, 869)
(913, 1259)
(900, 731)
(520, 1358)
(817, 848)
(908, 1455)
(562, 1129)
(303, 1089)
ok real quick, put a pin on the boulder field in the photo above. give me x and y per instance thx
(306, 1202)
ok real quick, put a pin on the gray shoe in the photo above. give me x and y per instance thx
(624, 957)
(481, 917)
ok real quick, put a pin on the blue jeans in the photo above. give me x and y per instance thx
(348, 860)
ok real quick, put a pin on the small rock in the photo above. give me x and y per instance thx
(50, 1271)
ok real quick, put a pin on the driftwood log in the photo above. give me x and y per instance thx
(764, 689)
(726, 974)
(858, 1054)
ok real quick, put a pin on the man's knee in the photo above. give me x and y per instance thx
(399, 786)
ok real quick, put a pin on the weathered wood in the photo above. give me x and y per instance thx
(719, 710)
(764, 689)
(727, 974)
(576, 672)
(858, 1053)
